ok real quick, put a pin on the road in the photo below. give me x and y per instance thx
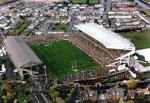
(107, 9)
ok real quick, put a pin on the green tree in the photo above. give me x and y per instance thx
(131, 84)
(55, 94)
(25, 100)
(72, 90)
(53, 91)
(103, 102)
(130, 101)
(121, 101)
(59, 100)
(4, 98)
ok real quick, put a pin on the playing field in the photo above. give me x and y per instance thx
(61, 26)
(63, 58)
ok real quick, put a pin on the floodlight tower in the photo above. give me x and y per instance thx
(45, 74)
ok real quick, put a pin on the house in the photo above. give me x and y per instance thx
(115, 93)
(144, 91)
(131, 93)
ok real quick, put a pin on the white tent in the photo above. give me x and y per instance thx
(107, 37)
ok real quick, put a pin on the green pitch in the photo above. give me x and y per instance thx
(63, 58)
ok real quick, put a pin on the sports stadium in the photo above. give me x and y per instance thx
(88, 53)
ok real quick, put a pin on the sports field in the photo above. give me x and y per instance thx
(19, 28)
(61, 26)
(63, 58)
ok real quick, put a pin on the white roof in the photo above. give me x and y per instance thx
(107, 37)
(145, 53)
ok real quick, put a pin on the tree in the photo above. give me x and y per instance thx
(72, 91)
(121, 101)
(103, 101)
(53, 91)
(55, 94)
(4, 98)
(5, 86)
(130, 101)
(131, 84)
(25, 100)
(141, 76)
(59, 100)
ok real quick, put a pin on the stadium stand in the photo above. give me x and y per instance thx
(42, 39)
(101, 44)
(108, 38)
(100, 75)
(22, 56)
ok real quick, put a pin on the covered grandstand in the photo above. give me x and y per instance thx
(107, 37)
(24, 59)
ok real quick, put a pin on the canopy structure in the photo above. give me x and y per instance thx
(20, 53)
(145, 53)
(107, 37)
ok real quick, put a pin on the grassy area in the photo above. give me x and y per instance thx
(140, 39)
(144, 11)
(63, 58)
(20, 28)
(20, 93)
(61, 26)
(78, 1)
(93, 1)
(145, 64)
(83, 1)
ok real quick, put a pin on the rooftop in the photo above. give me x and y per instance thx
(20, 53)
(107, 37)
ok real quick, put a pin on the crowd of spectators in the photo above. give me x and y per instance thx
(95, 49)
(99, 54)
(101, 74)
(43, 39)
(86, 75)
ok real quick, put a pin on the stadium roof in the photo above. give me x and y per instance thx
(20, 53)
(145, 53)
(107, 37)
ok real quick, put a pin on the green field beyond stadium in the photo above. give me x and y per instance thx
(83, 1)
(140, 39)
(63, 58)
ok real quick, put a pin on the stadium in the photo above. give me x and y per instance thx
(86, 54)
